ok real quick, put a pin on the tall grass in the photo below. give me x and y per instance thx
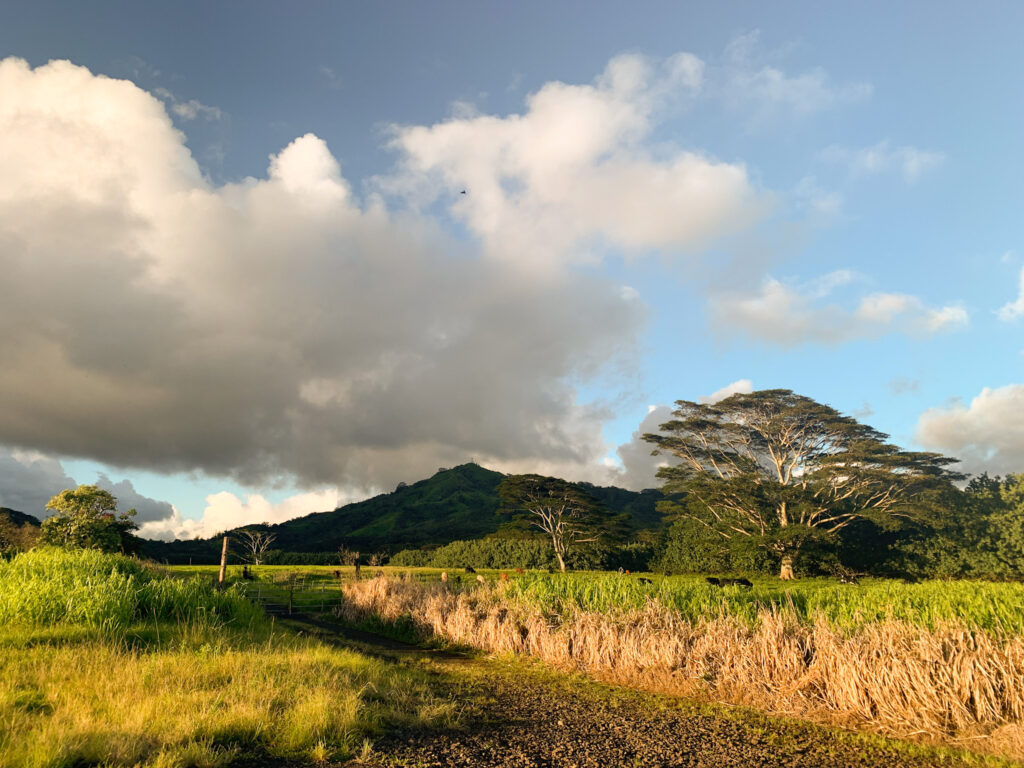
(75, 587)
(948, 680)
(104, 662)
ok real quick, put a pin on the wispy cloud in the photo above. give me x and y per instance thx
(768, 91)
(188, 110)
(909, 162)
(1014, 309)
(793, 313)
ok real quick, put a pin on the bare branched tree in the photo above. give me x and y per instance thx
(255, 543)
(559, 509)
(347, 556)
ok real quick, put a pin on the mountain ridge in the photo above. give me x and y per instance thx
(453, 504)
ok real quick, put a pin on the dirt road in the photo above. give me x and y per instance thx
(519, 715)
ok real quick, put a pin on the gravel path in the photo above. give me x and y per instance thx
(518, 715)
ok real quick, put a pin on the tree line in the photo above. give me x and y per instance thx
(769, 481)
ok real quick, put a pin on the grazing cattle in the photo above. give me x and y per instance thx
(444, 576)
(725, 582)
(504, 577)
(470, 569)
(520, 570)
(337, 574)
(481, 579)
(642, 580)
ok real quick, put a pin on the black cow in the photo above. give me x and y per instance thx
(724, 582)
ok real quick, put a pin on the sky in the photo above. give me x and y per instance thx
(260, 260)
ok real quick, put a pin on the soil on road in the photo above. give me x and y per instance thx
(520, 715)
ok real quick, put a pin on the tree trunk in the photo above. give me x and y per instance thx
(561, 562)
(786, 574)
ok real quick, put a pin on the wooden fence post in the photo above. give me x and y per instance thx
(223, 562)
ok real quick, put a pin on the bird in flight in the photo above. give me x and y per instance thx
(462, 192)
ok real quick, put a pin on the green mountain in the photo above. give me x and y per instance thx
(455, 504)
(18, 518)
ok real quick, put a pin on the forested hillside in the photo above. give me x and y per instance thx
(455, 504)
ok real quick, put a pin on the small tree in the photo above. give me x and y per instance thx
(255, 543)
(87, 518)
(783, 470)
(560, 509)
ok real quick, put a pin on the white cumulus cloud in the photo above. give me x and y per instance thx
(226, 511)
(741, 386)
(986, 435)
(575, 173)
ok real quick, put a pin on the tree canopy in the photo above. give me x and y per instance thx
(782, 469)
(562, 510)
(87, 518)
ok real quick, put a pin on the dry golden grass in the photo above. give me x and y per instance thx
(949, 683)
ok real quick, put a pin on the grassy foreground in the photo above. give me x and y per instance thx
(104, 662)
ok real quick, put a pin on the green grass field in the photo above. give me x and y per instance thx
(993, 607)
(104, 661)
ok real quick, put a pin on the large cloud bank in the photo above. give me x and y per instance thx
(279, 327)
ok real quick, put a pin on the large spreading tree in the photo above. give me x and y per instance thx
(782, 469)
(566, 513)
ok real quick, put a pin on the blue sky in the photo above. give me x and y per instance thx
(661, 202)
